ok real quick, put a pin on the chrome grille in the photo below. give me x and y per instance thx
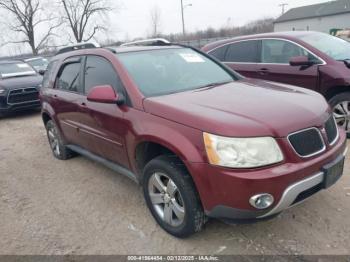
(331, 129)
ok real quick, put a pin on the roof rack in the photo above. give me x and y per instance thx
(149, 42)
(76, 47)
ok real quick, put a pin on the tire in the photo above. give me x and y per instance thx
(340, 104)
(182, 197)
(59, 150)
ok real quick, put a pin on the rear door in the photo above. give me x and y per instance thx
(104, 124)
(67, 96)
(241, 56)
(274, 66)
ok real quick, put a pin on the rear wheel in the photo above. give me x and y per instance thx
(58, 148)
(172, 198)
(341, 110)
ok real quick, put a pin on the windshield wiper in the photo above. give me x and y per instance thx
(212, 85)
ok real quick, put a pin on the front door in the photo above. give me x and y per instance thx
(104, 124)
(274, 66)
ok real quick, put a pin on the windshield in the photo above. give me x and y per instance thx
(167, 71)
(16, 69)
(334, 47)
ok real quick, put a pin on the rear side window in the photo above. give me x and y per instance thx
(280, 51)
(243, 52)
(219, 53)
(48, 74)
(69, 78)
(99, 71)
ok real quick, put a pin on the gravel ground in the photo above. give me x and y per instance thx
(49, 206)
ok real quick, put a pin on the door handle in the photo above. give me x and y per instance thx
(263, 71)
(83, 104)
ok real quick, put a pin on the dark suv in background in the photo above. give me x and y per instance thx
(19, 87)
(312, 60)
(200, 139)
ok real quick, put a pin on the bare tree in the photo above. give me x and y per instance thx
(82, 15)
(155, 20)
(27, 16)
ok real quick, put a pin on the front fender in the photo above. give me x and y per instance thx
(186, 142)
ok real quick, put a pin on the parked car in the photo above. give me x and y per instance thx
(19, 87)
(313, 60)
(200, 139)
(38, 63)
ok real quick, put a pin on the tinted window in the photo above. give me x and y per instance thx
(172, 70)
(246, 51)
(219, 53)
(69, 78)
(48, 74)
(98, 71)
(280, 52)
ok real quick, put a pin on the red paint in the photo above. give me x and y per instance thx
(328, 79)
(246, 108)
(102, 94)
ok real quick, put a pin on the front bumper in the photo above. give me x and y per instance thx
(225, 193)
(8, 108)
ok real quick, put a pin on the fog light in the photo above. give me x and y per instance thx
(261, 201)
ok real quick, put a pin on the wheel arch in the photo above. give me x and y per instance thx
(331, 92)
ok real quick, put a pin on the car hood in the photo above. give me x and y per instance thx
(20, 82)
(245, 108)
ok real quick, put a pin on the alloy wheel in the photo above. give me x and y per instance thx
(342, 115)
(54, 141)
(166, 199)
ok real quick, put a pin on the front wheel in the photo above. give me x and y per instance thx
(341, 110)
(172, 198)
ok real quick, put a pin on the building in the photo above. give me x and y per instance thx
(327, 17)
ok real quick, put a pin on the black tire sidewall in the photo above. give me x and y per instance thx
(185, 187)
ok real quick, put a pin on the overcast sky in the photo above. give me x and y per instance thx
(131, 18)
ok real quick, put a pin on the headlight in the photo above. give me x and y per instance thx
(242, 152)
(2, 90)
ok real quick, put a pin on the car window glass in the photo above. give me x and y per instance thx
(99, 71)
(48, 74)
(280, 52)
(246, 51)
(219, 53)
(172, 70)
(69, 78)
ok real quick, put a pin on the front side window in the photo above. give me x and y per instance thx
(172, 70)
(98, 71)
(280, 51)
(69, 78)
(243, 52)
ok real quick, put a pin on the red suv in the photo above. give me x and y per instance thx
(200, 139)
(312, 60)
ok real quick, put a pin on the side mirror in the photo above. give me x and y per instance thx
(105, 94)
(300, 61)
(41, 72)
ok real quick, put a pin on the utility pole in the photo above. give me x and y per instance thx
(183, 18)
(283, 5)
